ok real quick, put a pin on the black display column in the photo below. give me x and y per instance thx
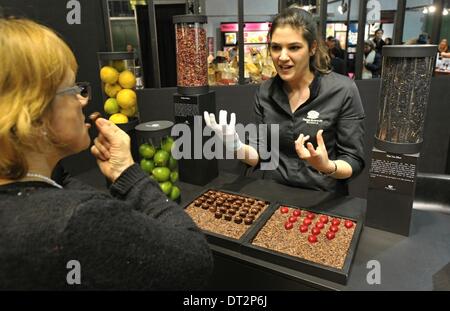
(404, 94)
(193, 98)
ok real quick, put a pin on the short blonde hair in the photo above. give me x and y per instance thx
(34, 62)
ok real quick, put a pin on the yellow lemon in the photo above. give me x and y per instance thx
(118, 118)
(126, 98)
(111, 106)
(109, 74)
(112, 89)
(119, 65)
(129, 112)
(127, 79)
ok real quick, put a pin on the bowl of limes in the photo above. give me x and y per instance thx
(155, 156)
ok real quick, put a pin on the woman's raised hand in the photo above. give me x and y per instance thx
(112, 149)
(318, 157)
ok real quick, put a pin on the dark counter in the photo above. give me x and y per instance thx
(407, 263)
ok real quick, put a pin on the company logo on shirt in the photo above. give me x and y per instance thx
(313, 117)
(390, 188)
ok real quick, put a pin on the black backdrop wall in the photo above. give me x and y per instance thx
(157, 104)
(85, 39)
(89, 37)
(166, 41)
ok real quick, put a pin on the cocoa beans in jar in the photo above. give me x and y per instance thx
(192, 64)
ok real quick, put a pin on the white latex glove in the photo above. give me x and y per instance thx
(224, 130)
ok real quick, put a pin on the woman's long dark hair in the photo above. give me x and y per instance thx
(302, 20)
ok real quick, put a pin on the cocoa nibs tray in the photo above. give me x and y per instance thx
(224, 213)
(318, 238)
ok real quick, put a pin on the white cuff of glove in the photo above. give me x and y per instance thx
(232, 143)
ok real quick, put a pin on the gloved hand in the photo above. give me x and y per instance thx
(225, 131)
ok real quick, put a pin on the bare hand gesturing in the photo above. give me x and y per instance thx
(317, 158)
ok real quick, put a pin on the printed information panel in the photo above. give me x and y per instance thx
(393, 172)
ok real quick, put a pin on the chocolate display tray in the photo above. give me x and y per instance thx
(223, 240)
(300, 264)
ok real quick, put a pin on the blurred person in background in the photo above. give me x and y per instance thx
(378, 40)
(443, 49)
(371, 61)
(337, 63)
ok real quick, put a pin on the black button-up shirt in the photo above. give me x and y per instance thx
(334, 106)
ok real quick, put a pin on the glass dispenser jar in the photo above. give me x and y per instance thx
(120, 78)
(192, 54)
(405, 88)
(155, 155)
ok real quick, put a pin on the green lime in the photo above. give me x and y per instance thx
(174, 176)
(161, 173)
(172, 163)
(175, 193)
(161, 158)
(166, 187)
(147, 165)
(119, 65)
(146, 151)
(111, 106)
(166, 145)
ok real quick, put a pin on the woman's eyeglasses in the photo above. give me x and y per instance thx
(80, 88)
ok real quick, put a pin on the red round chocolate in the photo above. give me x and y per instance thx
(315, 231)
(323, 219)
(303, 228)
(310, 216)
(284, 210)
(292, 219)
(335, 222)
(330, 235)
(288, 225)
(312, 239)
(307, 221)
(296, 213)
(319, 225)
(334, 229)
(348, 224)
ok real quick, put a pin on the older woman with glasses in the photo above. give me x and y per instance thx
(129, 238)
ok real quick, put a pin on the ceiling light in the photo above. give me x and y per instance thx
(432, 9)
(445, 12)
(425, 10)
